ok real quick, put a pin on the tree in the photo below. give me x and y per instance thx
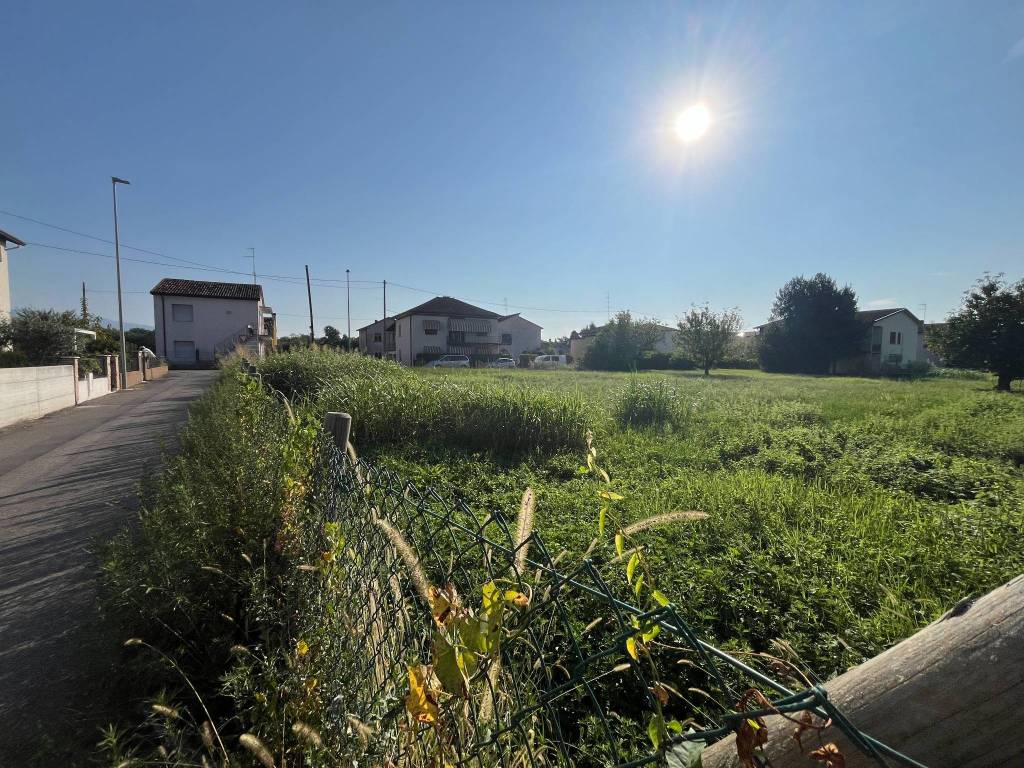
(140, 337)
(705, 336)
(619, 344)
(988, 331)
(43, 334)
(814, 325)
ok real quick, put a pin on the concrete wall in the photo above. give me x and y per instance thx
(155, 372)
(214, 322)
(133, 378)
(93, 386)
(28, 393)
(911, 347)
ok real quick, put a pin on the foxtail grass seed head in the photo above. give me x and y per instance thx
(211, 569)
(257, 749)
(524, 527)
(412, 563)
(663, 519)
(364, 732)
(133, 641)
(307, 733)
(164, 711)
(206, 732)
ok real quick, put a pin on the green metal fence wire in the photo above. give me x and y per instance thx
(565, 691)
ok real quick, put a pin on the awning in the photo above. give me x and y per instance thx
(431, 325)
(470, 325)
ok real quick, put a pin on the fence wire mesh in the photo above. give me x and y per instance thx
(546, 678)
(560, 688)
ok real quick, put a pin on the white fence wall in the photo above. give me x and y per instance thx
(28, 393)
(93, 386)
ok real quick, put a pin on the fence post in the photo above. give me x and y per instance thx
(116, 384)
(951, 695)
(339, 427)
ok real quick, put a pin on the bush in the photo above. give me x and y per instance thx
(12, 359)
(648, 404)
(664, 361)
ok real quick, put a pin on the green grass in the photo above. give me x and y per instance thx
(845, 513)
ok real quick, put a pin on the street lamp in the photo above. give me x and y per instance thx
(114, 181)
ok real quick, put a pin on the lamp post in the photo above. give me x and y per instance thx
(114, 181)
(259, 301)
(348, 312)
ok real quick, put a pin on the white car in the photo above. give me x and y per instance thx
(549, 361)
(450, 361)
(503, 362)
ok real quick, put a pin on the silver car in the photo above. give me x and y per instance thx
(450, 361)
(503, 362)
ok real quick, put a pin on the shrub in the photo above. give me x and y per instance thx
(664, 361)
(12, 359)
(647, 404)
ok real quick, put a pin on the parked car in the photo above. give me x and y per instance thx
(450, 361)
(503, 362)
(549, 361)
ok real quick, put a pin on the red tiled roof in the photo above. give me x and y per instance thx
(206, 289)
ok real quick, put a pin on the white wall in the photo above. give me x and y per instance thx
(525, 335)
(28, 393)
(5, 285)
(213, 322)
(911, 348)
(93, 386)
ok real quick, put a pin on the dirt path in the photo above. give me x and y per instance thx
(66, 481)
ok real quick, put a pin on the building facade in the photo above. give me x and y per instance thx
(6, 240)
(198, 321)
(517, 335)
(447, 326)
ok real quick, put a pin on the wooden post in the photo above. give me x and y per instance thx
(339, 427)
(950, 696)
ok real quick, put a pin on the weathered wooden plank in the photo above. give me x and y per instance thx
(951, 696)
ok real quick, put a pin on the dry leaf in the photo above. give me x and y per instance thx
(829, 755)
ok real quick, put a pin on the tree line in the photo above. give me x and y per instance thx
(814, 326)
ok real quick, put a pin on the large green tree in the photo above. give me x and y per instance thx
(705, 336)
(814, 325)
(619, 344)
(987, 332)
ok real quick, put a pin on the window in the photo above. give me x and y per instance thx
(185, 350)
(430, 331)
(506, 338)
(376, 337)
(181, 313)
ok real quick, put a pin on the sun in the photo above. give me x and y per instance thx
(692, 123)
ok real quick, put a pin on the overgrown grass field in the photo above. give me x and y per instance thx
(845, 513)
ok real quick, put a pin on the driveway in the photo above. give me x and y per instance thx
(67, 481)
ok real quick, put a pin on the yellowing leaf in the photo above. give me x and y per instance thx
(301, 648)
(656, 730)
(634, 561)
(620, 544)
(639, 585)
(611, 495)
(600, 520)
(631, 648)
(421, 702)
(659, 598)
(448, 666)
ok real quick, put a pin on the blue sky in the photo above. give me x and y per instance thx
(518, 151)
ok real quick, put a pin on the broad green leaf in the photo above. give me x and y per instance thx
(656, 730)
(651, 632)
(639, 585)
(447, 667)
(684, 754)
(659, 598)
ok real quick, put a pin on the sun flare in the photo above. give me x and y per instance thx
(692, 123)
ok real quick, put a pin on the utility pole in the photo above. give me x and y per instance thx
(608, 305)
(114, 181)
(385, 306)
(309, 295)
(85, 306)
(348, 312)
(252, 255)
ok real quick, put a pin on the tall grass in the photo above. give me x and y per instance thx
(391, 404)
(643, 403)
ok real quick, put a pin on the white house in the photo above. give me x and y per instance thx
(893, 337)
(5, 279)
(518, 335)
(447, 326)
(198, 321)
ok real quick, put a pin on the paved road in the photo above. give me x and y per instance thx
(67, 481)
